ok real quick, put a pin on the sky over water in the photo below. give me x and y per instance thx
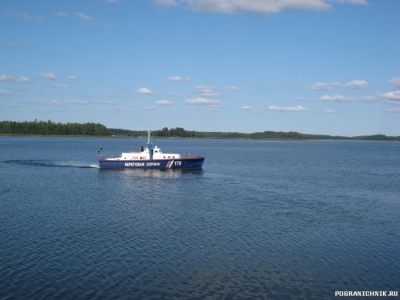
(313, 66)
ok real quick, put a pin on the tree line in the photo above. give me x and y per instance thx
(52, 128)
(95, 129)
(292, 135)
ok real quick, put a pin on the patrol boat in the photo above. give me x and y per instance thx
(150, 157)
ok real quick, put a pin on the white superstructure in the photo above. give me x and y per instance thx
(148, 153)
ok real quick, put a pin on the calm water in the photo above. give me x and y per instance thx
(262, 220)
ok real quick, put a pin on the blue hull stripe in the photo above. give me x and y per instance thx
(182, 163)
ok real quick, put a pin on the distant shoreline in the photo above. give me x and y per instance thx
(52, 129)
(198, 138)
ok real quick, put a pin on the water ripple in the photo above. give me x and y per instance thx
(314, 219)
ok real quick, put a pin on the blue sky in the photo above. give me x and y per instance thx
(312, 66)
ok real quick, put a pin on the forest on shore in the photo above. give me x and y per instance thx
(50, 128)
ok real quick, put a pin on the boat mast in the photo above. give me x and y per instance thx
(148, 136)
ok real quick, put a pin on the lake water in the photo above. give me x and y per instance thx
(261, 220)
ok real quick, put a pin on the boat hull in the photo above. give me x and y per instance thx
(179, 163)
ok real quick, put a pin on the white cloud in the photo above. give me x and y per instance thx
(116, 95)
(338, 98)
(352, 1)
(232, 87)
(143, 91)
(357, 84)
(164, 102)
(290, 108)
(396, 82)
(83, 17)
(20, 79)
(329, 111)
(205, 104)
(337, 84)
(202, 101)
(149, 107)
(72, 78)
(63, 103)
(25, 16)
(166, 2)
(246, 107)
(4, 92)
(211, 94)
(212, 107)
(391, 95)
(176, 78)
(53, 102)
(60, 85)
(80, 102)
(367, 98)
(394, 102)
(57, 103)
(303, 99)
(255, 6)
(262, 7)
(61, 14)
(50, 76)
(173, 95)
(207, 91)
(335, 98)
(106, 102)
(395, 110)
(319, 87)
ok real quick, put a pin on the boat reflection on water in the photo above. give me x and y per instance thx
(154, 173)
